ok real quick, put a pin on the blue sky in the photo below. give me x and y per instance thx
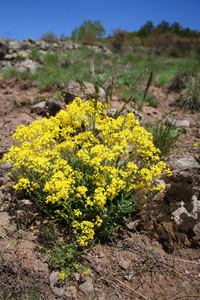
(21, 19)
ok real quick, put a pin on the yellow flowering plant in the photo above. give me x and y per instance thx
(85, 167)
(197, 146)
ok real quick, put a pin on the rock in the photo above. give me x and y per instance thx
(186, 162)
(85, 92)
(6, 166)
(26, 202)
(176, 123)
(8, 91)
(26, 65)
(1, 198)
(87, 286)
(161, 182)
(4, 219)
(77, 276)
(112, 112)
(134, 111)
(124, 264)
(58, 288)
(70, 45)
(5, 64)
(1, 180)
(31, 40)
(27, 247)
(38, 108)
(71, 292)
(15, 45)
(66, 63)
(52, 106)
(3, 49)
(183, 125)
(176, 215)
(5, 223)
(42, 267)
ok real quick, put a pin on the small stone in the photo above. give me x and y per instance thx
(87, 286)
(1, 197)
(4, 219)
(1, 180)
(71, 292)
(38, 108)
(42, 267)
(77, 276)
(112, 112)
(124, 264)
(8, 91)
(26, 202)
(58, 288)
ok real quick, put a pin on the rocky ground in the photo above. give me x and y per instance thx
(157, 254)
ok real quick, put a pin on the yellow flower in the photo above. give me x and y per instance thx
(87, 271)
(77, 212)
(61, 276)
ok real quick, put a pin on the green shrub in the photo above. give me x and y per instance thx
(77, 166)
(50, 37)
(35, 55)
(190, 96)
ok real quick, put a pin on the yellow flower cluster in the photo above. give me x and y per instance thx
(61, 276)
(82, 163)
(197, 145)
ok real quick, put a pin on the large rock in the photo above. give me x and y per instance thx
(26, 65)
(3, 49)
(187, 162)
(15, 45)
(46, 108)
(181, 125)
(70, 45)
(85, 92)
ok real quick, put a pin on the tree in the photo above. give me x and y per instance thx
(89, 31)
(176, 27)
(163, 27)
(119, 37)
(145, 30)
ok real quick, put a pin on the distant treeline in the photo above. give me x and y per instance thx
(164, 39)
(165, 27)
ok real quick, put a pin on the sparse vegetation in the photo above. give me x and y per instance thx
(49, 37)
(190, 95)
(164, 136)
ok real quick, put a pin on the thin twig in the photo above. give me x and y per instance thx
(186, 261)
(129, 288)
(130, 98)
(22, 111)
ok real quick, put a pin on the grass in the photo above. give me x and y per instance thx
(164, 137)
(190, 96)
(125, 68)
